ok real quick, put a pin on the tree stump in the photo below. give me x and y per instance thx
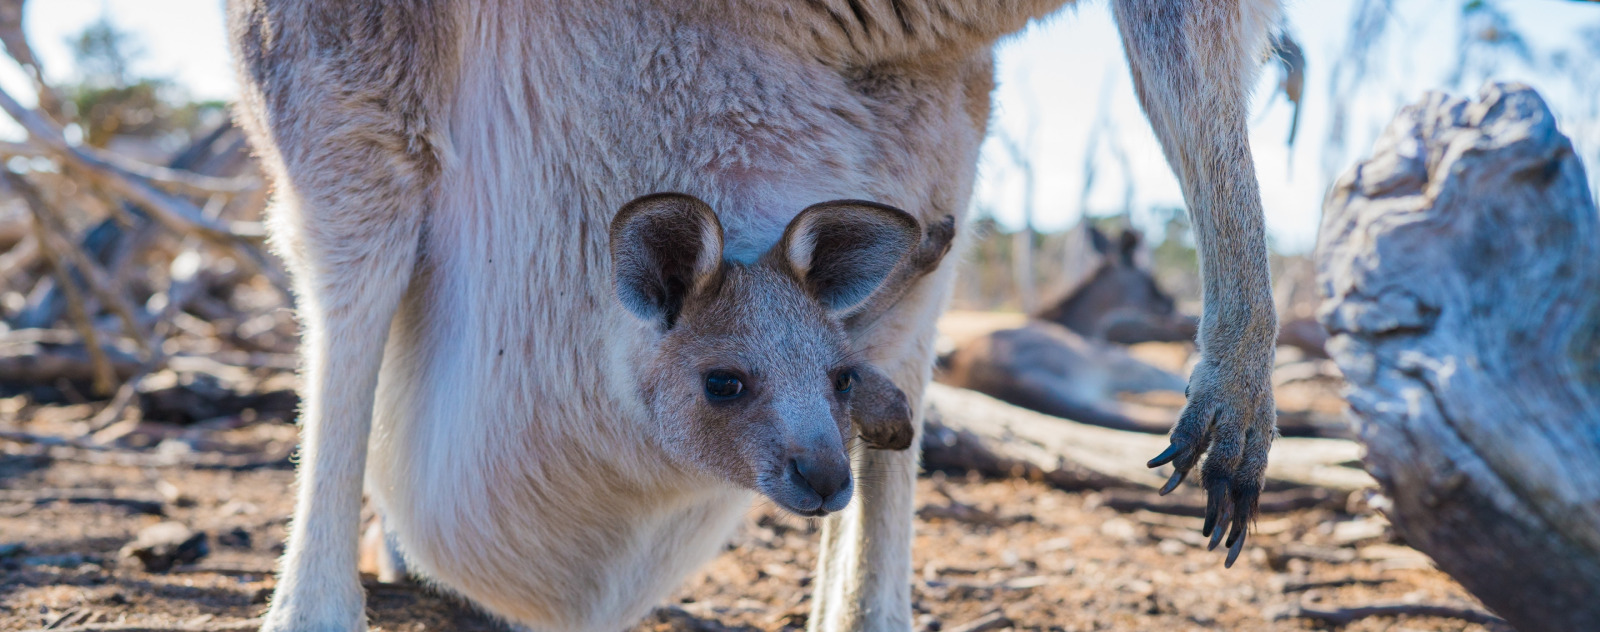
(1460, 272)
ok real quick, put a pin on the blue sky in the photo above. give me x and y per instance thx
(1050, 96)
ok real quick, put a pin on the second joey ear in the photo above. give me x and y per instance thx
(843, 250)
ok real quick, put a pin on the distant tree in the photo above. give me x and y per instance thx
(103, 53)
(109, 99)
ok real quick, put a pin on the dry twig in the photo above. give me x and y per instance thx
(174, 212)
(1294, 587)
(248, 625)
(96, 278)
(1345, 616)
(16, 43)
(992, 621)
(104, 376)
(1126, 500)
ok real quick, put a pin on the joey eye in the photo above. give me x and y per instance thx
(844, 381)
(723, 385)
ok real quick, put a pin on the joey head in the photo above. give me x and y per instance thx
(750, 375)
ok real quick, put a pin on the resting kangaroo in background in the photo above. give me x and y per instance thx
(1119, 301)
(445, 175)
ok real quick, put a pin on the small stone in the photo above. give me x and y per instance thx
(1171, 546)
(163, 546)
(1120, 529)
(1360, 530)
(173, 495)
(237, 508)
(236, 537)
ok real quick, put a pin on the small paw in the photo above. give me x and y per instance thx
(880, 411)
(1231, 421)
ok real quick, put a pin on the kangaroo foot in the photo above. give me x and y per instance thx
(1230, 420)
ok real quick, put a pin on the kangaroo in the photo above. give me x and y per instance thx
(1045, 367)
(770, 332)
(1119, 301)
(444, 175)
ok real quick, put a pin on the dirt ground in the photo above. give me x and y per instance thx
(989, 554)
(1043, 558)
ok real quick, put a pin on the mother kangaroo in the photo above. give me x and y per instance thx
(445, 173)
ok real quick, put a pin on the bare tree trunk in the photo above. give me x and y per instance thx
(1022, 268)
(1022, 272)
(1460, 267)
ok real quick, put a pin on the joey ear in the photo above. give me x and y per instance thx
(664, 247)
(1129, 245)
(843, 250)
(1097, 239)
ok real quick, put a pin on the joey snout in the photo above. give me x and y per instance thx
(818, 484)
(814, 478)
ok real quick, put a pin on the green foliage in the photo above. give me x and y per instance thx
(103, 53)
(109, 100)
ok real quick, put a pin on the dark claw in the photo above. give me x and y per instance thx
(1221, 527)
(1213, 504)
(1240, 525)
(1166, 457)
(1234, 548)
(1174, 482)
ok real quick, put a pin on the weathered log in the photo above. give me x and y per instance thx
(1460, 269)
(34, 363)
(970, 431)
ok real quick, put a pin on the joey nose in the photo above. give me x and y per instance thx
(828, 478)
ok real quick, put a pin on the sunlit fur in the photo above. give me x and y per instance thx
(444, 175)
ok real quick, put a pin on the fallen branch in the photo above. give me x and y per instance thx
(29, 438)
(176, 180)
(95, 278)
(1294, 587)
(199, 461)
(969, 431)
(19, 258)
(248, 625)
(16, 43)
(1295, 550)
(1346, 616)
(176, 213)
(958, 511)
(75, 497)
(35, 363)
(104, 379)
(992, 621)
(1194, 506)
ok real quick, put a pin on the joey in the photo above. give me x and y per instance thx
(750, 375)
